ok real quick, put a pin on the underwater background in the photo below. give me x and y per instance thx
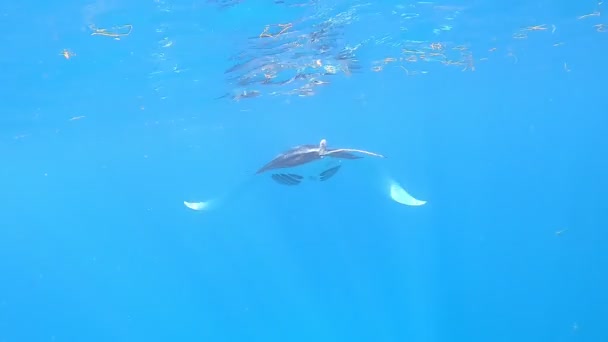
(113, 113)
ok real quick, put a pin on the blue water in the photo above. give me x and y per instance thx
(99, 151)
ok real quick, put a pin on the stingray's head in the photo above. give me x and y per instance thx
(322, 146)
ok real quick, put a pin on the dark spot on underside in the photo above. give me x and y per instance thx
(287, 179)
(327, 174)
(294, 179)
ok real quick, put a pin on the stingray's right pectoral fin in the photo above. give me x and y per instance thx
(399, 195)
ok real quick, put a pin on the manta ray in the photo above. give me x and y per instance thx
(314, 163)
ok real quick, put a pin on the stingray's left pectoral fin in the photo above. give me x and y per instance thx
(198, 206)
(399, 195)
(344, 155)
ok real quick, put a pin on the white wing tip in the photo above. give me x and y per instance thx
(399, 195)
(196, 205)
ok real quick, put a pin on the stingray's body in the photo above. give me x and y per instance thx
(306, 162)
(309, 163)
